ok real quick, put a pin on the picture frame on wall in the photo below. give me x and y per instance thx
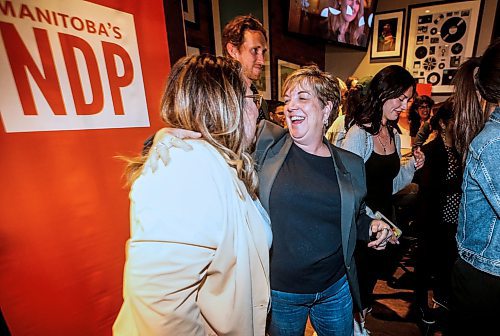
(284, 70)
(263, 84)
(439, 38)
(189, 10)
(192, 51)
(387, 37)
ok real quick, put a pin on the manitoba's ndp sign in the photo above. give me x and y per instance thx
(69, 65)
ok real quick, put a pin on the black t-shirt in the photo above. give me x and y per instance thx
(380, 173)
(304, 204)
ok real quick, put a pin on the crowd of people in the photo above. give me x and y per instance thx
(246, 221)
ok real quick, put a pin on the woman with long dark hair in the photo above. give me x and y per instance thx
(475, 299)
(374, 137)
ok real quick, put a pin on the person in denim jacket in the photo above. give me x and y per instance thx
(475, 300)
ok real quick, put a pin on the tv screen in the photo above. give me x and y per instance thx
(343, 22)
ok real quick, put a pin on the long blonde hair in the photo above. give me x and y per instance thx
(205, 94)
(354, 29)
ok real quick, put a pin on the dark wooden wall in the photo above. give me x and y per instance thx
(175, 29)
(496, 28)
(201, 34)
(293, 48)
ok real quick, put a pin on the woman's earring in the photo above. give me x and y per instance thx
(443, 134)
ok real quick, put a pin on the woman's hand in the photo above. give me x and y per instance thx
(383, 234)
(419, 158)
(165, 139)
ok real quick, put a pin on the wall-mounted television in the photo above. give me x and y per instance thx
(342, 22)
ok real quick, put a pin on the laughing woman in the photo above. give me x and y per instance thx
(314, 194)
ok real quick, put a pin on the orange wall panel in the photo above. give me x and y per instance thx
(64, 211)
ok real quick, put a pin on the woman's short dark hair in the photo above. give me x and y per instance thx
(487, 79)
(444, 113)
(355, 96)
(389, 83)
(413, 116)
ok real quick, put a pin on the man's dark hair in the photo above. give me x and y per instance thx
(235, 30)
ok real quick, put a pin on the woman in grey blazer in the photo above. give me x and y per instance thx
(314, 193)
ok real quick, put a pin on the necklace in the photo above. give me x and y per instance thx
(383, 146)
(379, 135)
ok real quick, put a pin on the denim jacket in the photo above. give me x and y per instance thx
(478, 235)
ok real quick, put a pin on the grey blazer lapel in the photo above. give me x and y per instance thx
(273, 162)
(346, 200)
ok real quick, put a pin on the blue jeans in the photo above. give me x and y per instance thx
(330, 311)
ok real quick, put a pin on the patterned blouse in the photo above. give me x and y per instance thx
(449, 209)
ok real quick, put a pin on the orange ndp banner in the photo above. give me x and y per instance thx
(81, 82)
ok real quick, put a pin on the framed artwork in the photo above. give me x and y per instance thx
(189, 12)
(192, 51)
(264, 82)
(387, 37)
(439, 38)
(284, 69)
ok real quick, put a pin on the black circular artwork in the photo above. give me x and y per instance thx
(430, 63)
(421, 52)
(457, 48)
(433, 78)
(434, 30)
(453, 29)
(441, 66)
